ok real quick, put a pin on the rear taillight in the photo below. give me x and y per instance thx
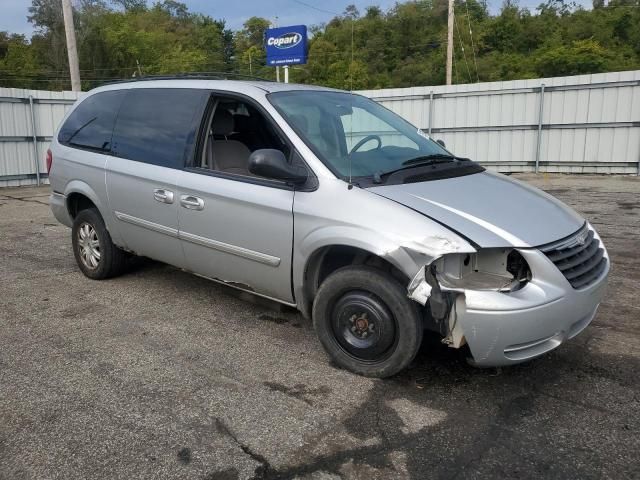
(49, 161)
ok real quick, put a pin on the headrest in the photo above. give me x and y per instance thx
(222, 123)
(242, 123)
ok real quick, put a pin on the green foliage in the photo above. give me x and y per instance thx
(250, 58)
(401, 47)
(17, 61)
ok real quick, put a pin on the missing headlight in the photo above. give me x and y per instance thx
(503, 270)
(519, 268)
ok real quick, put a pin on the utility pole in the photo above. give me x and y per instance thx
(275, 24)
(70, 32)
(449, 41)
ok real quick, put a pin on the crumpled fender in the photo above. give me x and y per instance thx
(408, 256)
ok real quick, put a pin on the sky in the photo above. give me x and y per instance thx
(13, 13)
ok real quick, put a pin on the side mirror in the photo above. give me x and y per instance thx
(441, 142)
(271, 163)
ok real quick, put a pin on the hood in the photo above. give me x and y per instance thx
(489, 209)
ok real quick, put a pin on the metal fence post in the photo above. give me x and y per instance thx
(430, 110)
(540, 112)
(35, 140)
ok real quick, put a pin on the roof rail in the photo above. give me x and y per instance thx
(192, 76)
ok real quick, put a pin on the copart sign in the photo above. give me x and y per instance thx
(286, 45)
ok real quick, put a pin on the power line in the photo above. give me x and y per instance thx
(316, 8)
(63, 75)
(455, 20)
(473, 46)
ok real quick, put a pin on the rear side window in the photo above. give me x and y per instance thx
(159, 126)
(90, 125)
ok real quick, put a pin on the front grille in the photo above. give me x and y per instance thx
(580, 257)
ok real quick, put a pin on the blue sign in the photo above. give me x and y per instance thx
(286, 45)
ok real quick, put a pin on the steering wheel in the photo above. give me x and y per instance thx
(365, 140)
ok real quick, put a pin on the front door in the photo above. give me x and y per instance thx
(236, 227)
(237, 232)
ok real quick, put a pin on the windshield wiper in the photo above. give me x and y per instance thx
(432, 158)
(422, 160)
(427, 159)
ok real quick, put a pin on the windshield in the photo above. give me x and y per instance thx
(355, 136)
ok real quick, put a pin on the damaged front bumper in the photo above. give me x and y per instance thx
(504, 328)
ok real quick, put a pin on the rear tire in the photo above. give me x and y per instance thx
(95, 253)
(366, 322)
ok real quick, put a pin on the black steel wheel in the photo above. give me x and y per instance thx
(365, 321)
(363, 325)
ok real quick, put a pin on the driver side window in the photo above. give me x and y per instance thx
(234, 130)
(361, 124)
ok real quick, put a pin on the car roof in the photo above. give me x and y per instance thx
(237, 86)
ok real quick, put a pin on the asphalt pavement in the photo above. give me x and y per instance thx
(161, 374)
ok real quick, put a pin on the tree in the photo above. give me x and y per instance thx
(249, 44)
(18, 63)
(402, 46)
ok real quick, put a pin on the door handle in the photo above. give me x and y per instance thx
(191, 202)
(163, 196)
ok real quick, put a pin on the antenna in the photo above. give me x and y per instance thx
(351, 96)
(275, 24)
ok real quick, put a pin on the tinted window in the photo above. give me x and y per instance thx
(159, 126)
(90, 125)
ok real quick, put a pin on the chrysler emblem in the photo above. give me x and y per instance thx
(580, 239)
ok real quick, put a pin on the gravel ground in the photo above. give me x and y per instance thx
(161, 374)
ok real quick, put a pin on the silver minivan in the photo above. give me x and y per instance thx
(327, 202)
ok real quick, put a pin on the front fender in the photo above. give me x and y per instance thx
(357, 237)
(408, 256)
(336, 215)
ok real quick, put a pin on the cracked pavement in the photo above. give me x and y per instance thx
(161, 374)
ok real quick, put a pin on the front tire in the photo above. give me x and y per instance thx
(95, 253)
(366, 322)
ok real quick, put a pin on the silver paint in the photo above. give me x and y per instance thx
(265, 240)
(232, 249)
(141, 222)
(491, 209)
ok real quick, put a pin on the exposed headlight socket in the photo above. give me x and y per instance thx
(496, 269)
(519, 268)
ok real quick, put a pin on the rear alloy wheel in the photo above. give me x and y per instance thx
(89, 246)
(95, 253)
(365, 321)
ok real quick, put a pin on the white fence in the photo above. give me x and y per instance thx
(581, 124)
(28, 119)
